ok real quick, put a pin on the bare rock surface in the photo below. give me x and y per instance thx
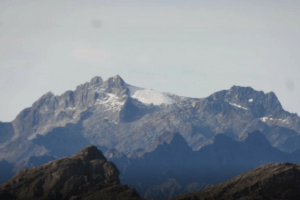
(114, 114)
(268, 182)
(86, 175)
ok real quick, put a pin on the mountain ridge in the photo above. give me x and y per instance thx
(113, 114)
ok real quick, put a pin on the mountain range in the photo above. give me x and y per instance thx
(226, 133)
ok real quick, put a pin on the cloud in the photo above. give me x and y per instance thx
(91, 55)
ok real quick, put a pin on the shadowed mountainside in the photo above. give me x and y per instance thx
(218, 161)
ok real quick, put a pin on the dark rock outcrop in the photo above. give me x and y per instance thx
(271, 181)
(86, 175)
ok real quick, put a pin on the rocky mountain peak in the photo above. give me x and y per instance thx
(97, 80)
(243, 94)
(256, 137)
(86, 175)
(249, 94)
(258, 103)
(171, 142)
(44, 99)
(90, 153)
(114, 81)
(116, 86)
(178, 141)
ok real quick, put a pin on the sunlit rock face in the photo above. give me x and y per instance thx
(86, 175)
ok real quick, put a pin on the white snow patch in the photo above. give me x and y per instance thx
(147, 96)
(250, 100)
(238, 106)
(114, 121)
(111, 102)
(264, 119)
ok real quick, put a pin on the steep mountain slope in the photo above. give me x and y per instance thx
(86, 175)
(271, 181)
(113, 114)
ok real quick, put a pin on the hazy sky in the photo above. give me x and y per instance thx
(189, 48)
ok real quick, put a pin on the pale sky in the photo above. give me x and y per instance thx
(190, 48)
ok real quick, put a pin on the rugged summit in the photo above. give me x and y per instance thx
(112, 114)
(271, 181)
(86, 175)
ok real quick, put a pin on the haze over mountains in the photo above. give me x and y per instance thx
(139, 128)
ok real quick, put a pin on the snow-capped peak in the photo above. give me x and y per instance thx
(148, 96)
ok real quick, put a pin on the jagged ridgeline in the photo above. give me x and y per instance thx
(156, 139)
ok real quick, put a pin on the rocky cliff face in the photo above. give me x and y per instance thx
(86, 175)
(112, 114)
(271, 181)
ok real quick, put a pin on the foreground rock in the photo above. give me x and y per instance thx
(271, 181)
(86, 175)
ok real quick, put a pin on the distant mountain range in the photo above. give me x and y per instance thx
(160, 132)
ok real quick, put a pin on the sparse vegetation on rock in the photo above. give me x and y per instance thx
(86, 175)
